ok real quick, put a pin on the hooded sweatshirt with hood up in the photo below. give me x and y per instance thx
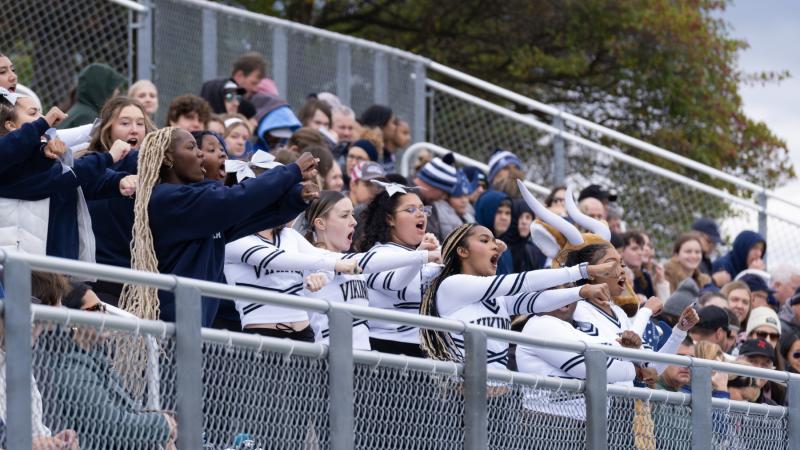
(485, 210)
(96, 84)
(735, 260)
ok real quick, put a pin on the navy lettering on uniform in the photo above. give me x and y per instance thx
(503, 323)
(353, 289)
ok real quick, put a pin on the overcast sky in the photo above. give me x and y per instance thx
(771, 28)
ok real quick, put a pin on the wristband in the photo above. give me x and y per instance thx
(584, 268)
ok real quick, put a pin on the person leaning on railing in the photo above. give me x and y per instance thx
(46, 289)
(84, 391)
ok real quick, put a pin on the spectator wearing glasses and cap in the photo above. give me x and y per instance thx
(760, 353)
(362, 190)
(764, 324)
(708, 231)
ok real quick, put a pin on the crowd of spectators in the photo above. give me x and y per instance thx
(237, 180)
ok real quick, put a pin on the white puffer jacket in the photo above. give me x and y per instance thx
(23, 225)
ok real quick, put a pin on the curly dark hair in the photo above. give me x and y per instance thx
(186, 104)
(375, 219)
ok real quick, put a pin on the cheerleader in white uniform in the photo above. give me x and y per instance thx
(331, 225)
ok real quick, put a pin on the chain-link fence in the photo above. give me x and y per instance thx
(734, 430)
(50, 41)
(207, 41)
(651, 199)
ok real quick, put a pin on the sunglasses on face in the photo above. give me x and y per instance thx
(796, 355)
(413, 210)
(97, 307)
(230, 96)
(767, 335)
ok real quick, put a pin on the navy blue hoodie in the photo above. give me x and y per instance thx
(192, 223)
(485, 210)
(735, 260)
(38, 177)
(112, 221)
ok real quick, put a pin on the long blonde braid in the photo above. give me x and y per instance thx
(439, 344)
(138, 299)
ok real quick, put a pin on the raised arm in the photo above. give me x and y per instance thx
(461, 290)
(21, 144)
(542, 301)
(265, 256)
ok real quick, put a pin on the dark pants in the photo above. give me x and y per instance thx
(396, 348)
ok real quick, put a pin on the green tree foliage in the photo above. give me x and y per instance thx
(661, 70)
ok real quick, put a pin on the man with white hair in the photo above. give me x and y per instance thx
(785, 281)
(344, 123)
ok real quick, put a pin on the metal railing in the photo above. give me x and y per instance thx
(480, 420)
(605, 131)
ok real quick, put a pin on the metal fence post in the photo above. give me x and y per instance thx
(701, 408)
(380, 79)
(280, 61)
(343, 72)
(340, 380)
(762, 214)
(17, 321)
(209, 44)
(596, 395)
(418, 125)
(559, 153)
(144, 42)
(189, 365)
(476, 417)
(793, 401)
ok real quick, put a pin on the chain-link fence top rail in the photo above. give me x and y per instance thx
(50, 41)
(663, 207)
(200, 39)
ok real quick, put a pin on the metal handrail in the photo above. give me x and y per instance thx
(413, 150)
(616, 154)
(616, 135)
(132, 5)
(294, 26)
(373, 358)
(124, 275)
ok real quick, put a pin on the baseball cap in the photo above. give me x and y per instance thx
(367, 170)
(597, 191)
(712, 318)
(758, 284)
(230, 86)
(757, 347)
(708, 227)
(763, 316)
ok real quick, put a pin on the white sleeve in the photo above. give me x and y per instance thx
(640, 320)
(662, 290)
(573, 363)
(76, 137)
(461, 290)
(669, 347)
(542, 301)
(375, 261)
(394, 280)
(269, 257)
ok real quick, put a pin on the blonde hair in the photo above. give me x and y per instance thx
(101, 137)
(138, 299)
(708, 350)
(135, 87)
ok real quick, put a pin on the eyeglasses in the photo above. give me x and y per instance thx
(230, 96)
(413, 210)
(97, 307)
(796, 355)
(767, 335)
(357, 158)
